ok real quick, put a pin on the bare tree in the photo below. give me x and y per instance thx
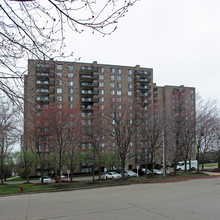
(60, 124)
(216, 144)
(205, 121)
(181, 136)
(8, 134)
(38, 30)
(73, 149)
(153, 127)
(122, 120)
(93, 130)
(26, 161)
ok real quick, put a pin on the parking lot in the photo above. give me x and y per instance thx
(194, 199)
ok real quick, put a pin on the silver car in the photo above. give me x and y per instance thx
(157, 172)
(130, 173)
(112, 175)
(46, 179)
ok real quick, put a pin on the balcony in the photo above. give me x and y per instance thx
(42, 67)
(88, 84)
(142, 72)
(84, 99)
(88, 77)
(42, 99)
(88, 69)
(142, 87)
(85, 107)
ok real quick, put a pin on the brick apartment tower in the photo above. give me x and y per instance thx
(91, 85)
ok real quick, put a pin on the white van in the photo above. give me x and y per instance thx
(181, 165)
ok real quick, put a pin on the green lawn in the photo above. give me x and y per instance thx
(18, 178)
(208, 165)
(14, 188)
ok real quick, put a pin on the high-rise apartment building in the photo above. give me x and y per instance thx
(88, 86)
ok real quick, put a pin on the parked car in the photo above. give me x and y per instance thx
(46, 179)
(131, 173)
(157, 172)
(140, 172)
(112, 175)
(63, 179)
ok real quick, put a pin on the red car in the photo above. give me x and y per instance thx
(63, 179)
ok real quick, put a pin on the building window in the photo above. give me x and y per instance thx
(129, 79)
(112, 85)
(70, 106)
(112, 70)
(118, 99)
(86, 67)
(70, 67)
(70, 83)
(101, 92)
(42, 90)
(112, 92)
(129, 71)
(101, 77)
(59, 74)
(129, 85)
(42, 82)
(70, 75)
(129, 92)
(112, 77)
(101, 99)
(119, 78)
(42, 65)
(101, 84)
(70, 91)
(42, 74)
(59, 82)
(42, 98)
(70, 98)
(59, 90)
(59, 98)
(118, 71)
(101, 69)
(118, 92)
(59, 67)
(118, 85)
(101, 107)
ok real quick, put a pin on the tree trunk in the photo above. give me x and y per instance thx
(60, 166)
(28, 179)
(93, 173)
(2, 171)
(152, 163)
(42, 175)
(123, 167)
(71, 175)
(219, 162)
(198, 157)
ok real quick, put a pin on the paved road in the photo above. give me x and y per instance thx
(193, 200)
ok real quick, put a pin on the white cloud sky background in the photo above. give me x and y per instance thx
(179, 39)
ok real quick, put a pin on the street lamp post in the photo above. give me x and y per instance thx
(163, 145)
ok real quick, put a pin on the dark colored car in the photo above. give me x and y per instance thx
(140, 172)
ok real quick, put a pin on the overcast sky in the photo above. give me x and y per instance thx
(179, 39)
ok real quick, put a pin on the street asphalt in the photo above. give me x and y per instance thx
(193, 200)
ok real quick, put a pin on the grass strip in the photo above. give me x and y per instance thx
(36, 187)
